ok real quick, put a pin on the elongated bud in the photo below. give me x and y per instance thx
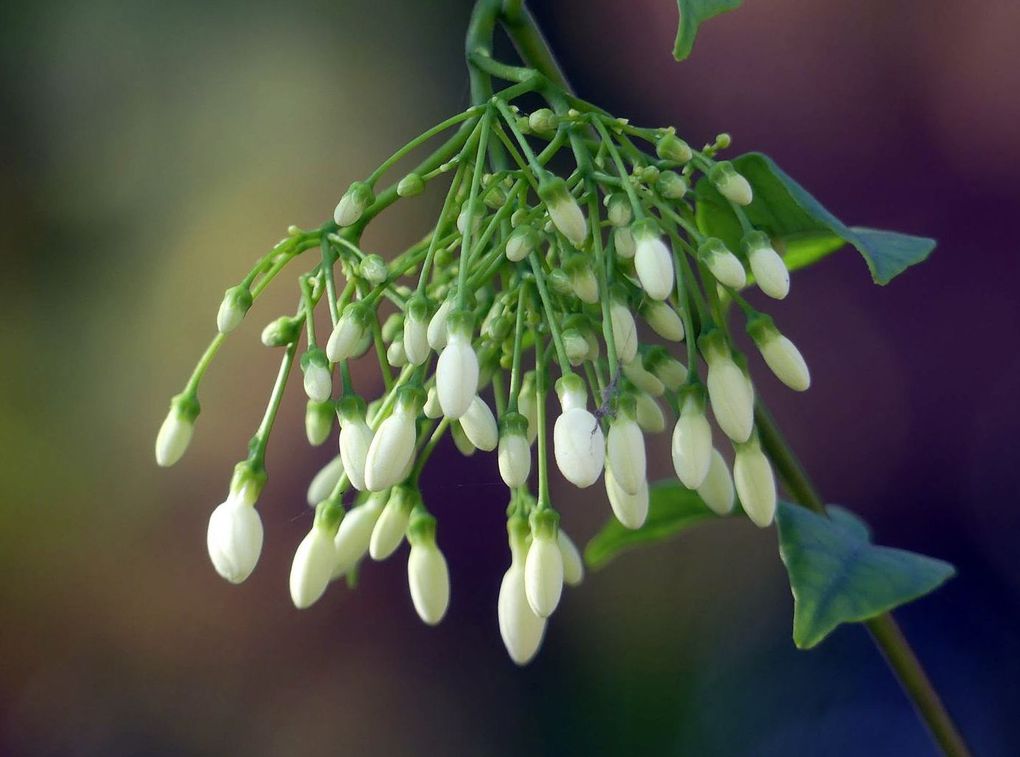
(780, 354)
(625, 455)
(318, 421)
(527, 405)
(642, 379)
(432, 408)
(175, 433)
(652, 260)
(671, 147)
(756, 485)
(234, 536)
(521, 242)
(671, 185)
(325, 481)
(350, 330)
(768, 267)
(649, 415)
(395, 354)
(428, 578)
(723, 264)
(457, 369)
(730, 184)
(717, 488)
(664, 320)
(352, 537)
(618, 210)
(692, 442)
(573, 565)
(670, 371)
(352, 205)
(318, 379)
(411, 185)
(392, 524)
(392, 446)
(315, 558)
(522, 630)
(355, 440)
(583, 283)
(563, 209)
(514, 452)
(236, 303)
(543, 567)
(729, 389)
(479, 425)
(461, 441)
(472, 216)
(578, 441)
(437, 331)
(623, 243)
(625, 337)
(416, 342)
(281, 332)
(576, 346)
(543, 122)
(630, 509)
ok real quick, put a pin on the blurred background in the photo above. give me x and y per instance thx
(149, 151)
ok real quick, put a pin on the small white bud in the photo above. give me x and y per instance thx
(782, 357)
(723, 264)
(543, 571)
(768, 267)
(731, 395)
(642, 379)
(456, 375)
(521, 242)
(625, 455)
(584, 284)
(578, 442)
(670, 371)
(428, 577)
(514, 459)
(653, 263)
(649, 415)
(664, 321)
(527, 405)
(623, 242)
(573, 565)
(692, 443)
(345, 340)
(312, 567)
(352, 205)
(522, 630)
(352, 537)
(234, 538)
(576, 346)
(416, 342)
(175, 433)
(625, 336)
(355, 441)
(437, 331)
(391, 526)
(318, 380)
(235, 304)
(373, 269)
(717, 488)
(479, 425)
(731, 184)
(756, 486)
(462, 222)
(618, 210)
(318, 421)
(391, 448)
(630, 509)
(564, 211)
(395, 354)
(432, 408)
(325, 481)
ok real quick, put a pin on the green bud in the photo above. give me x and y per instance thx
(373, 269)
(411, 185)
(671, 147)
(618, 209)
(281, 332)
(318, 421)
(671, 185)
(543, 122)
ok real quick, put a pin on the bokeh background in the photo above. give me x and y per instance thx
(150, 150)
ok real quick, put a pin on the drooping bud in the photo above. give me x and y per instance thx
(731, 184)
(692, 441)
(345, 340)
(389, 530)
(522, 240)
(392, 446)
(411, 185)
(234, 536)
(578, 441)
(623, 243)
(355, 439)
(318, 379)
(576, 346)
(671, 185)
(780, 354)
(236, 302)
(395, 354)
(325, 481)
(479, 425)
(625, 454)
(652, 260)
(522, 630)
(428, 578)
(543, 122)
(756, 485)
(352, 205)
(437, 331)
(664, 320)
(543, 567)
(671, 147)
(315, 558)
(281, 332)
(729, 389)
(717, 488)
(457, 369)
(642, 379)
(527, 405)
(461, 441)
(618, 210)
(432, 408)
(175, 433)
(582, 279)
(625, 337)
(573, 565)
(352, 537)
(723, 264)
(563, 209)
(630, 509)
(769, 270)
(649, 415)
(416, 342)
(318, 421)
(514, 453)
(559, 283)
(670, 371)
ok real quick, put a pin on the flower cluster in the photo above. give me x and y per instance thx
(583, 282)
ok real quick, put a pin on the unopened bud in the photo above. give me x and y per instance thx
(671, 147)
(543, 122)
(723, 264)
(411, 185)
(281, 332)
(353, 204)
(769, 270)
(671, 185)
(731, 184)
(236, 302)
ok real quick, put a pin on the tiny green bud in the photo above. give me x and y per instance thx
(618, 209)
(671, 185)
(373, 269)
(236, 302)
(411, 185)
(671, 147)
(543, 122)
(731, 184)
(281, 332)
(357, 197)
(318, 421)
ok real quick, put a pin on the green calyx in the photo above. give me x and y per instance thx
(513, 423)
(411, 185)
(351, 408)
(761, 328)
(754, 240)
(545, 523)
(421, 530)
(328, 515)
(186, 405)
(314, 357)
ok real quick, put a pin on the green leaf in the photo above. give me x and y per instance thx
(672, 508)
(838, 576)
(693, 13)
(802, 229)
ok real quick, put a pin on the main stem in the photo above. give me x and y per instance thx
(885, 632)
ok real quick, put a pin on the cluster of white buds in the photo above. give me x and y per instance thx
(599, 284)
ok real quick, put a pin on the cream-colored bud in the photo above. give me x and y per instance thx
(654, 265)
(479, 425)
(692, 444)
(731, 185)
(543, 574)
(318, 382)
(522, 630)
(456, 376)
(527, 405)
(396, 356)
(573, 564)
(391, 526)
(354, 534)
(416, 342)
(625, 455)
(625, 336)
(325, 481)
(731, 395)
(664, 321)
(782, 356)
(428, 578)
(584, 285)
(355, 441)
(514, 459)
(769, 271)
(649, 415)
(432, 407)
(717, 489)
(642, 379)
(234, 538)
(437, 331)
(345, 340)
(756, 485)
(391, 449)
(623, 243)
(630, 509)
(723, 264)
(174, 436)
(312, 567)
(579, 446)
(568, 218)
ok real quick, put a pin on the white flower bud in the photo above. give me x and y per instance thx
(671, 147)
(618, 210)
(437, 331)
(664, 321)
(416, 342)
(522, 630)
(653, 262)
(723, 264)
(234, 538)
(730, 393)
(318, 382)
(514, 458)
(373, 269)
(457, 375)
(692, 443)
(235, 304)
(717, 488)
(281, 331)
(345, 340)
(573, 565)
(756, 486)
(391, 526)
(578, 442)
(623, 243)
(391, 449)
(521, 242)
(432, 408)
(464, 217)
(355, 441)
(352, 537)
(325, 481)
(584, 284)
(461, 441)
(352, 205)
(642, 379)
(318, 421)
(671, 185)
(411, 185)
(564, 211)
(768, 267)
(543, 122)
(428, 578)
(649, 415)
(527, 405)
(670, 371)
(312, 567)
(543, 569)
(625, 455)
(784, 359)
(630, 509)
(625, 336)
(576, 346)
(479, 425)
(175, 433)
(395, 354)
(731, 184)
